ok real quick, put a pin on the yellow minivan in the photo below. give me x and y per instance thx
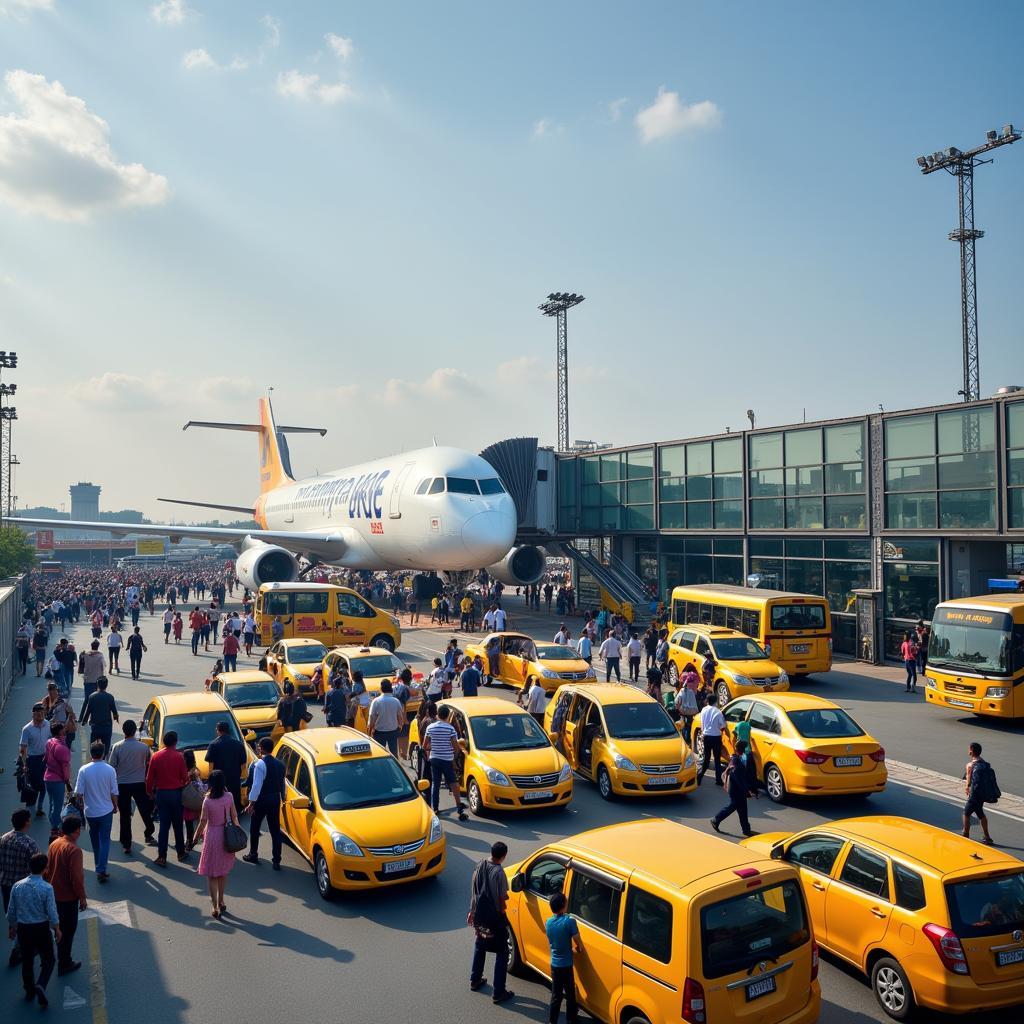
(713, 934)
(322, 611)
(621, 738)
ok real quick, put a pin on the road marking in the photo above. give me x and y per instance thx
(97, 988)
(72, 1000)
(108, 913)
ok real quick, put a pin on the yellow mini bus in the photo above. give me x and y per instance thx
(976, 656)
(794, 629)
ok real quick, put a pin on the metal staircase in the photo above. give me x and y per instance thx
(617, 587)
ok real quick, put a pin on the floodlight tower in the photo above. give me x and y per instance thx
(961, 166)
(8, 414)
(557, 304)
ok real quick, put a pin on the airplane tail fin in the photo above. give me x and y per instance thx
(275, 461)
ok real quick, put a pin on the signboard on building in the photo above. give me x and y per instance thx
(44, 540)
(149, 547)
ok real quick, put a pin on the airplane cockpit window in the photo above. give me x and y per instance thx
(423, 485)
(491, 486)
(460, 485)
(437, 486)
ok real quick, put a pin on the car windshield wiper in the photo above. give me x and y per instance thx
(517, 746)
(373, 803)
(254, 704)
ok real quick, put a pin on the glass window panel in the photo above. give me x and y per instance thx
(698, 545)
(698, 515)
(908, 436)
(911, 590)
(729, 486)
(698, 487)
(804, 481)
(962, 510)
(728, 545)
(916, 550)
(672, 488)
(766, 483)
(967, 430)
(567, 519)
(973, 469)
(841, 579)
(765, 451)
(1015, 424)
(673, 545)
(804, 577)
(566, 469)
(590, 518)
(803, 447)
(591, 469)
(1015, 467)
(698, 458)
(729, 455)
(844, 443)
(770, 571)
(611, 518)
(910, 475)
(847, 549)
(672, 460)
(1017, 509)
(610, 468)
(804, 514)
(728, 570)
(591, 497)
(639, 492)
(803, 548)
(766, 514)
(673, 517)
(640, 463)
(611, 494)
(728, 515)
(640, 517)
(671, 570)
(844, 478)
(848, 512)
(698, 569)
(765, 546)
(910, 511)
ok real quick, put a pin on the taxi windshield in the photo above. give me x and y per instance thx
(198, 731)
(738, 648)
(305, 654)
(376, 665)
(363, 782)
(251, 695)
(507, 732)
(825, 724)
(798, 616)
(556, 652)
(988, 906)
(638, 721)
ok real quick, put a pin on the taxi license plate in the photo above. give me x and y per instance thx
(848, 762)
(1009, 956)
(756, 989)
(539, 794)
(799, 648)
(661, 780)
(959, 703)
(399, 865)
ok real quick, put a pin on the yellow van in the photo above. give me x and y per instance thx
(794, 629)
(622, 739)
(325, 612)
(675, 924)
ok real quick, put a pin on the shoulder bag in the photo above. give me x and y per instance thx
(235, 837)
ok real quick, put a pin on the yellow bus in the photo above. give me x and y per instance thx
(795, 629)
(976, 656)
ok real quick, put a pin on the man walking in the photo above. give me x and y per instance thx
(439, 743)
(471, 678)
(336, 702)
(136, 645)
(97, 786)
(17, 848)
(563, 940)
(611, 652)
(101, 710)
(31, 913)
(66, 655)
(130, 759)
(92, 667)
(634, 649)
(487, 917)
(65, 873)
(32, 750)
(266, 794)
(230, 647)
(166, 777)
(536, 700)
(977, 786)
(712, 722)
(737, 785)
(387, 717)
(227, 754)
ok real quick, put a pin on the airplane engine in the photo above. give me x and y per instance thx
(265, 563)
(522, 565)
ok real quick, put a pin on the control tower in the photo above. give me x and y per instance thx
(85, 502)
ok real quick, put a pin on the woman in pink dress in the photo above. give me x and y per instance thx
(216, 860)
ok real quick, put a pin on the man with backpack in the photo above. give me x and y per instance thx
(487, 917)
(981, 788)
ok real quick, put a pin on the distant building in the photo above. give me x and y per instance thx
(85, 502)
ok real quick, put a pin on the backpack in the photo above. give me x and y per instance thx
(983, 782)
(486, 915)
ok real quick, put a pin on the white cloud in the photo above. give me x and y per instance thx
(22, 8)
(545, 127)
(116, 392)
(169, 12)
(444, 383)
(308, 88)
(200, 60)
(340, 45)
(667, 116)
(273, 37)
(615, 108)
(56, 160)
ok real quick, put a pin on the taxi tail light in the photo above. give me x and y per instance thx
(948, 946)
(809, 757)
(815, 957)
(878, 755)
(693, 1002)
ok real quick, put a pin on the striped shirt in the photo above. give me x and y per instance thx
(443, 738)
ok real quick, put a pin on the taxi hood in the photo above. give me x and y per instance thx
(660, 750)
(385, 824)
(538, 761)
(249, 718)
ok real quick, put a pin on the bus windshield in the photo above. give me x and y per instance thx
(798, 616)
(970, 639)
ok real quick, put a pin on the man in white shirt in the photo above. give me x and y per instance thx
(488, 623)
(97, 786)
(562, 636)
(500, 619)
(634, 648)
(536, 701)
(387, 717)
(712, 723)
(611, 652)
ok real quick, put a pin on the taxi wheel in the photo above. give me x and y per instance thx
(604, 784)
(515, 960)
(698, 745)
(475, 799)
(323, 876)
(383, 640)
(892, 989)
(775, 784)
(722, 693)
(638, 1019)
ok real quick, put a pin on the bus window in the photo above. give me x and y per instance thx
(354, 607)
(704, 614)
(692, 612)
(751, 624)
(312, 602)
(798, 616)
(718, 615)
(734, 619)
(276, 604)
(679, 612)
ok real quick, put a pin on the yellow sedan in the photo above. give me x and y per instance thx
(512, 658)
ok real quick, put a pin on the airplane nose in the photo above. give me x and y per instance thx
(487, 533)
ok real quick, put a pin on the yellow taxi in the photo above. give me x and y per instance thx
(295, 661)
(742, 665)
(507, 763)
(621, 738)
(718, 934)
(376, 664)
(520, 656)
(804, 745)
(352, 812)
(252, 696)
(194, 717)
(932, 918)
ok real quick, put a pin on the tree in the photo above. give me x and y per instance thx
(16, 554)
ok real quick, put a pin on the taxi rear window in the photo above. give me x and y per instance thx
(987, 906)
(744, 930)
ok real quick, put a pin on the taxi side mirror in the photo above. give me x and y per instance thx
(680, 726)
(517, 884)
(553, 737)
(423, 785)
(777, 851)
(250, 736)
(463, 745)
(299, 803)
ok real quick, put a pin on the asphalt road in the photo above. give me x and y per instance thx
(403, 954)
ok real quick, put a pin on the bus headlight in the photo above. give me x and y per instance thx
(929, 683)
(997, 691)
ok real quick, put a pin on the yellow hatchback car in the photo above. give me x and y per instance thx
(621, 738)
(675, 924)
(507, 763)
(742, 664)
(376, 664)
(252, 696)
(932, 918)
(804, 745)
(295, 661)
(520, 656)
(352, 812)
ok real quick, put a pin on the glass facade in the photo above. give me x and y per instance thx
(701, 485)
(617, 490)
(910, 578)
(1015, 465)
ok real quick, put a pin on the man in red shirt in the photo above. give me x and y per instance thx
(230, 651)
(64, 872)
(166, 777)
(196, 622)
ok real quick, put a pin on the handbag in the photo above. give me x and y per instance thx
(235, 837)
(192, 796)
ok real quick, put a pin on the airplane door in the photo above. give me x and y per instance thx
(394, 509)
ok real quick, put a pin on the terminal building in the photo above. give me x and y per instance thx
(916, 506)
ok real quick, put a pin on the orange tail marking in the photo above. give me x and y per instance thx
(272, 471)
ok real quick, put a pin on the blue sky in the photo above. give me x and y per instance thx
(364, 204)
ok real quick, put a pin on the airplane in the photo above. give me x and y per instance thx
(437, 509)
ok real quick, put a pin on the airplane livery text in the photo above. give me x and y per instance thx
(363, 494)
